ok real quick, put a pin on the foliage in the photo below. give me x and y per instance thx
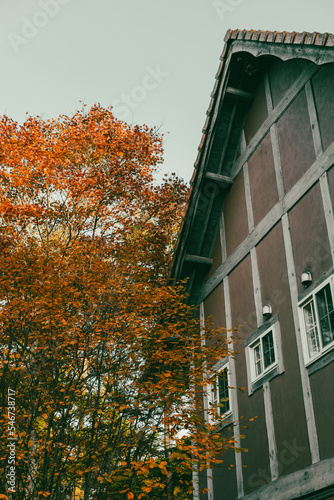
(103, 356)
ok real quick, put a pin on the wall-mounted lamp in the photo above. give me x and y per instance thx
(267, 311)
(306, 279)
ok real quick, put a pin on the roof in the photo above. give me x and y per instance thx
(247, 44)
(289, 37)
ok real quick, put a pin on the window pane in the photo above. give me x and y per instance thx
(324, 301)
(224, 403)
(268, 349)
(258, 360)
(311, 329)
(325, 312)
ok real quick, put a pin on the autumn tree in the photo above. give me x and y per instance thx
(103, 355)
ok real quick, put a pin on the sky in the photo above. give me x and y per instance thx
(154, 61)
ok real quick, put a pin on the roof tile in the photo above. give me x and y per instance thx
(221, 66)
(224, 52)
(271, 36)
(215, 86)
(330, 40)
(280, 37)
(263, 36)
(320, 38)
(202, 142)
(299, 38)
(210, 107)
(255, 35)
(309, 39)
(227, 35)
(289, 37)
(248, 34)
(206, 123)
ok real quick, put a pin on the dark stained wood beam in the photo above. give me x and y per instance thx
(241, 94)
(198, 259)
(220, 179)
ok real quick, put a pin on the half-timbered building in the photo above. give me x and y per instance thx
(257, 247)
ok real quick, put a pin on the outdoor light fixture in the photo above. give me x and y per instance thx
(306, 278)
(267, 311)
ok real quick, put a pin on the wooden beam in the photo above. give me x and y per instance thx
(305, 380)
(233, 395)
(248, 196)
(224, 140)
(240, 94)
(305, 481)
(198, 259)
(268, 411)
(220, 179)
(315, 126)
(202, 234)
(274, 141)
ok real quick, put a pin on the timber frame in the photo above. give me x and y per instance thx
(227, 275)
(221, 155)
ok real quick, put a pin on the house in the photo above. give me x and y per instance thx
(257, 247)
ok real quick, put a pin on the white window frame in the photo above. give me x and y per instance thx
(258, 346)
(213, 396)
(277, 366)
(311, 297)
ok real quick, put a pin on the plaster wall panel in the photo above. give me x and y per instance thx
(224, 477)
(262, 180)
(216, 257)
(257, 113)
(295, 141)
(324, 99)
(323, 400)
(242, 299)
(214, 308)
(256, 459)
(309, 236)
(235, 215)
(283, 74)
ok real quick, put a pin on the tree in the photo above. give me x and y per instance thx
(103, 357)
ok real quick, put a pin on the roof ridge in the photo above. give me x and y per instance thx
(286, 37)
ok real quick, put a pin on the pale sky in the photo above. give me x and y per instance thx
(155, 61)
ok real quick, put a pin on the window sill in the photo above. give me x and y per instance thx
(321, 361)
(257, 384)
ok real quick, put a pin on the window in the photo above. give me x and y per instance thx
(317, 321)
(219, 393)
(263, 350)
(263, 354)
